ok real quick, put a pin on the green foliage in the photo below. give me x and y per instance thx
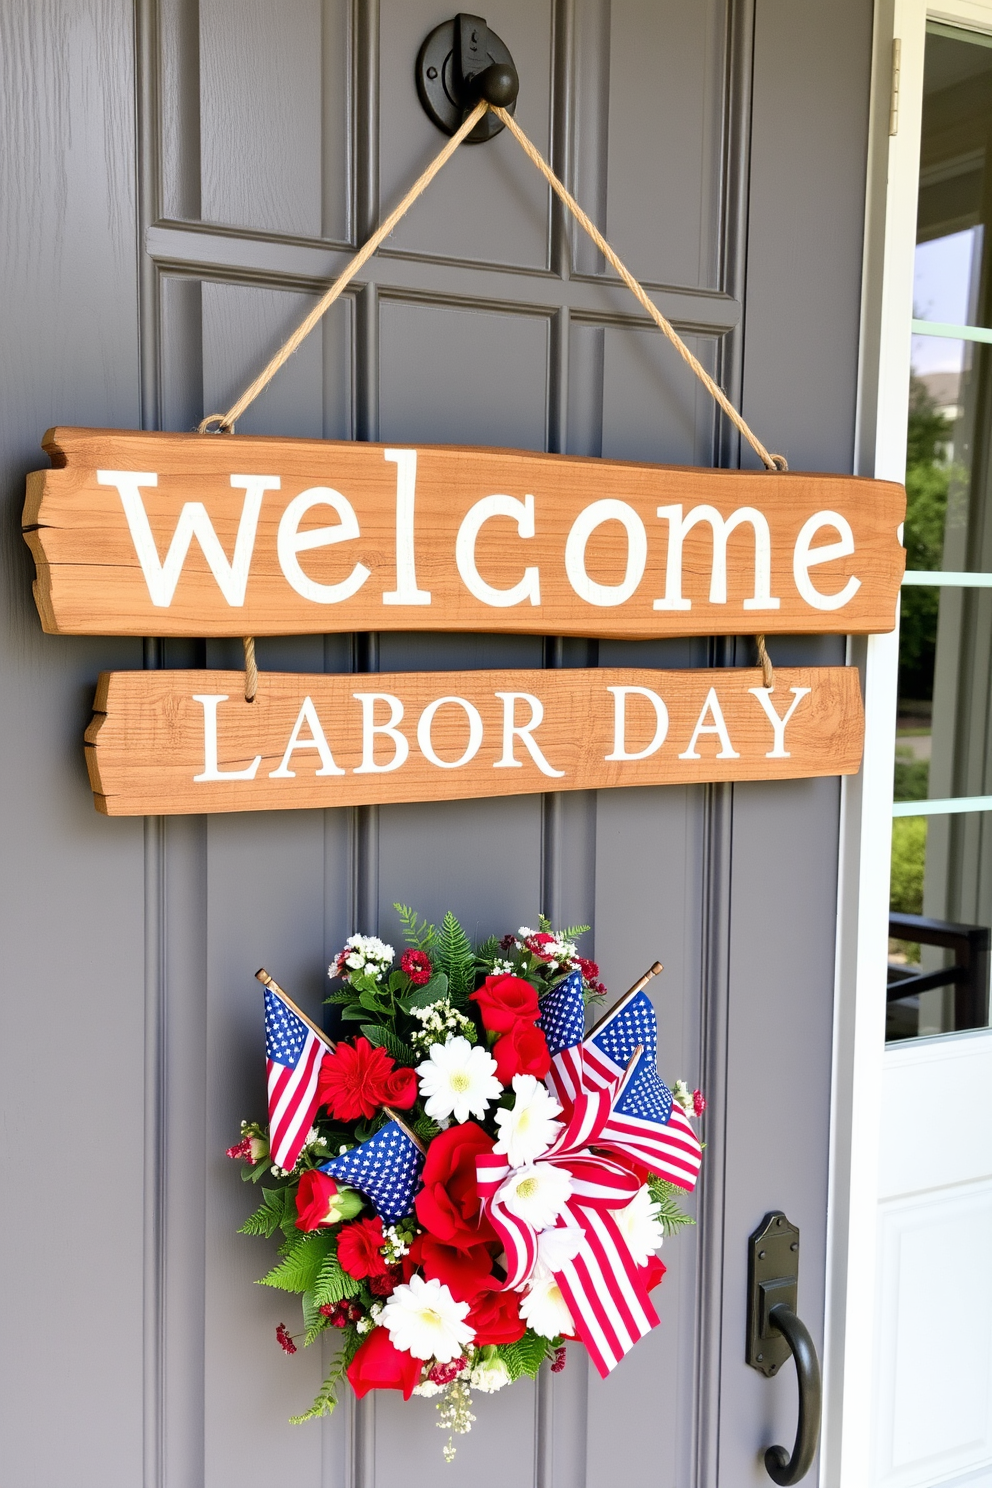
(912, 778)
(333, 1283)
(384, 1039)
(456, 957)
(416, 932)
(667, 1199)
(425, 1129)
(526, 1356)
(270, 1214)
(327, 1396)
(433, 991)
(305, 1255)
(909, 851)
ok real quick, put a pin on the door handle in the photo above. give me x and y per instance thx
(774, 1331)
(783, 1468)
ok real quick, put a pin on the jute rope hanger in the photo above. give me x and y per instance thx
(226, 422)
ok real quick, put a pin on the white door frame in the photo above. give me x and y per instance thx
(866, 801)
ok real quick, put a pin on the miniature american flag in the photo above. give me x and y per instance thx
(647, 1123)
(386, 1168)
(563, 1014)
(610, 1047)
(293, 1058)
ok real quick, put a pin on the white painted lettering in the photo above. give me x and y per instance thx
(317, 740)
(718, 727)
(370, 728)
(522, 512)
(162, 578)
(678, 527)
(474, 733)
(523, 732)
(406, 591)
(804, 558)
(291, 540)
(583, 527)
(211, 765)
(764, 696)
(620, 695)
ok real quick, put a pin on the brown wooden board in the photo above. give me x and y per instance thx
(161, 741)
(445, 539)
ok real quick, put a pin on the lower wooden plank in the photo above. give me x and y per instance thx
(168, 742)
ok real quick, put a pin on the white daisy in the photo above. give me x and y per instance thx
(424, 1320)
(640, 1226)
(458, 1080)
(537, 1192)
(555, 1247)
(528, 1129)
(543, 1308)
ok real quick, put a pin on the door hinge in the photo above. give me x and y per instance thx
(894, 101)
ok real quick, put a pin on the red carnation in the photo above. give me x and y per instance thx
(495, 1316)
(360, 1248)
(589, 969)
(379, 1365)
(242, 1151)
(400, 1089)
(698, 1103)
(559, 1360)
(417, 967)
(443, 1374)
(536, 943)
(285, 1342)
(384, 1286)
(504, 1000)
(522, 1051)
(352, 1080)
(448, 1204)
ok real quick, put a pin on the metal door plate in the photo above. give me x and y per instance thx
(439, 84)
(772, 1276)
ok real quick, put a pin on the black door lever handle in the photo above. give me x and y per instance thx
(774, 1331)
(783, 1468)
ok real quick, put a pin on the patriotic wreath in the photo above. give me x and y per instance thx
(470, 1181)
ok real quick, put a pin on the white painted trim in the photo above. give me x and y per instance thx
(866, 810)
(950, 332)
(923, 578)
(949, 806)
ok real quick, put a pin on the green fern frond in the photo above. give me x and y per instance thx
(383, 1038)
(457, 959)
(333, 1283)
(666, 1198)
(416, 932)
(269, 1215)
(303, 1263)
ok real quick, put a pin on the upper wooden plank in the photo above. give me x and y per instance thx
(187, 534)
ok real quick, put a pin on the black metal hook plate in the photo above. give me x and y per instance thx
(460, 62)
(773, 1276)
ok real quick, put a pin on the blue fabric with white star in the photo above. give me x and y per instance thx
(386, 1169)
(285, 1033)
(645, 1095)
(634, 1024)
(563, 1014)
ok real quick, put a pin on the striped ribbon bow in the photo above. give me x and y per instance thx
(600, 1282)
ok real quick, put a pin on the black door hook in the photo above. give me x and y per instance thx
(461, 62)
(774, 1331)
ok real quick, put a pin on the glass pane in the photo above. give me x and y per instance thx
(941, 888)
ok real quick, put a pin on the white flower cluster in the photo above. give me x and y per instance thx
(396, 1244)
(683, 1096)
(558, 951)
(440, 1020)
(363, 953)
(367, 1323)
(502, 968)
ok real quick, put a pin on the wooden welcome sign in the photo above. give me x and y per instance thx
(186, 534)
(174, 534)
(186, 741)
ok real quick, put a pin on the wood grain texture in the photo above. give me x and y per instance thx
(149, 737)
(90, 580)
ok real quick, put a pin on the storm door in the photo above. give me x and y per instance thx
(270, 136)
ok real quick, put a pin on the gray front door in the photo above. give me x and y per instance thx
(179, 180)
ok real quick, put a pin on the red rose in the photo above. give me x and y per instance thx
(652, 1273)
(522, 1051)
(314, 1197)
(417, 966)
(463, 1272)
(504, 1000)
(379, 1365)
(448, 1204)
(495, 1316)
(352, 1080)
(360, 1248)
(400, 1089)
